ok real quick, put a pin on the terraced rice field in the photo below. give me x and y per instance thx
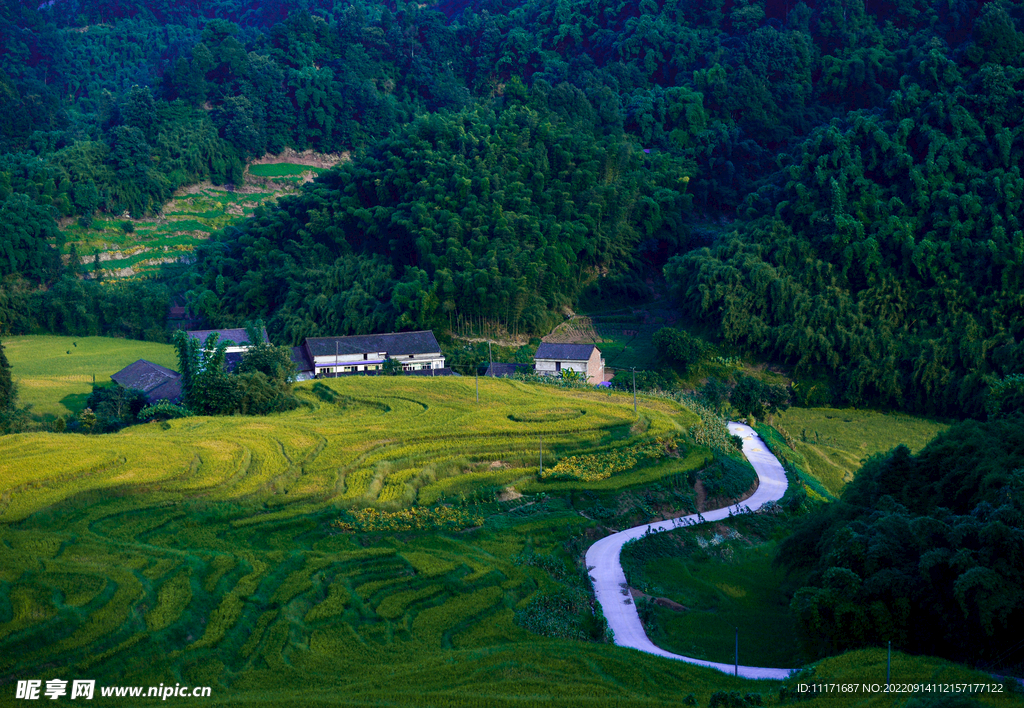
(207, 552)
(189, 218)
(356, 441)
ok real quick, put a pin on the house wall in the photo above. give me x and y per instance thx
(354, 363)
(547, 367)
(595, 368)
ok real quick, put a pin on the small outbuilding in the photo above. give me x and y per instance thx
(158, 382)
(552, 359)
(500, 368)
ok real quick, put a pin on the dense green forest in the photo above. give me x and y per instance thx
(921, 550)
(834, 184)
(487, 214)
(889, 251)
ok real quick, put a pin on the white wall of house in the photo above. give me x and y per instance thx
(373, 361)
(553, 367)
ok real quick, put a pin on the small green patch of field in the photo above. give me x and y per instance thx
(283, 169)
(55, 374)
(833, 442)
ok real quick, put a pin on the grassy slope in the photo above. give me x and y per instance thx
(833, 442)
(55, 374)
(721, 592)
(283, 169)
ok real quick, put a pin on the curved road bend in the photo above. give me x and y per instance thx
(610, 581)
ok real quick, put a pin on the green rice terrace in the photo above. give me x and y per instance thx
(392, 542)
(128, 248)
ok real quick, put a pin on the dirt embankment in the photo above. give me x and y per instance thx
(310, 158)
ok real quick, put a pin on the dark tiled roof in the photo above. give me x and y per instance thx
(238, 336)
(169, 390)
(499, 368)
(395, 344)
(144, 376)
(301, 360)
(564, 352)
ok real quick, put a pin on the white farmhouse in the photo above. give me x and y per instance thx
(552, 359)
(331, 356)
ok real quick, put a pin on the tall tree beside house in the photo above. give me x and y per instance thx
(259, 386)
(264, 375)
(206, 383)
(263, 357)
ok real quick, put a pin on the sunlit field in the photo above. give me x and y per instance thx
(55, 374)
(832, 442)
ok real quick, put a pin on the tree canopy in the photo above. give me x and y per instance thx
(921, 550)
(501, 213)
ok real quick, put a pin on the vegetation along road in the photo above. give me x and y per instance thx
(610, 587)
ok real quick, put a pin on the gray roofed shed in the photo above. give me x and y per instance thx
(157, 382)
(500, 368)
(237, 335)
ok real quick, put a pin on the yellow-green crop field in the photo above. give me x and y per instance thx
(832, 441)
(383, 441)
(55, 374)
(207, 552)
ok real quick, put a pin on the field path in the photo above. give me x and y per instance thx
(610, 582)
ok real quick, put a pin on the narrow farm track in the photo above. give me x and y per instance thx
(610, 582)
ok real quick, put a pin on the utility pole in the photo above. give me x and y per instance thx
(634, 391)
(736, 667)
(490, 360)
(542, 456)
(888, 664)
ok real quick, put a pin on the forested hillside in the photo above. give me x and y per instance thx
(889, 252)
(922, 550)
(852, 168)
(482, 215)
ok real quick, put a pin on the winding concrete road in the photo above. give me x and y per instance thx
(610, 581)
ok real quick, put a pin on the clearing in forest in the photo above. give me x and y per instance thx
(132, 247)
